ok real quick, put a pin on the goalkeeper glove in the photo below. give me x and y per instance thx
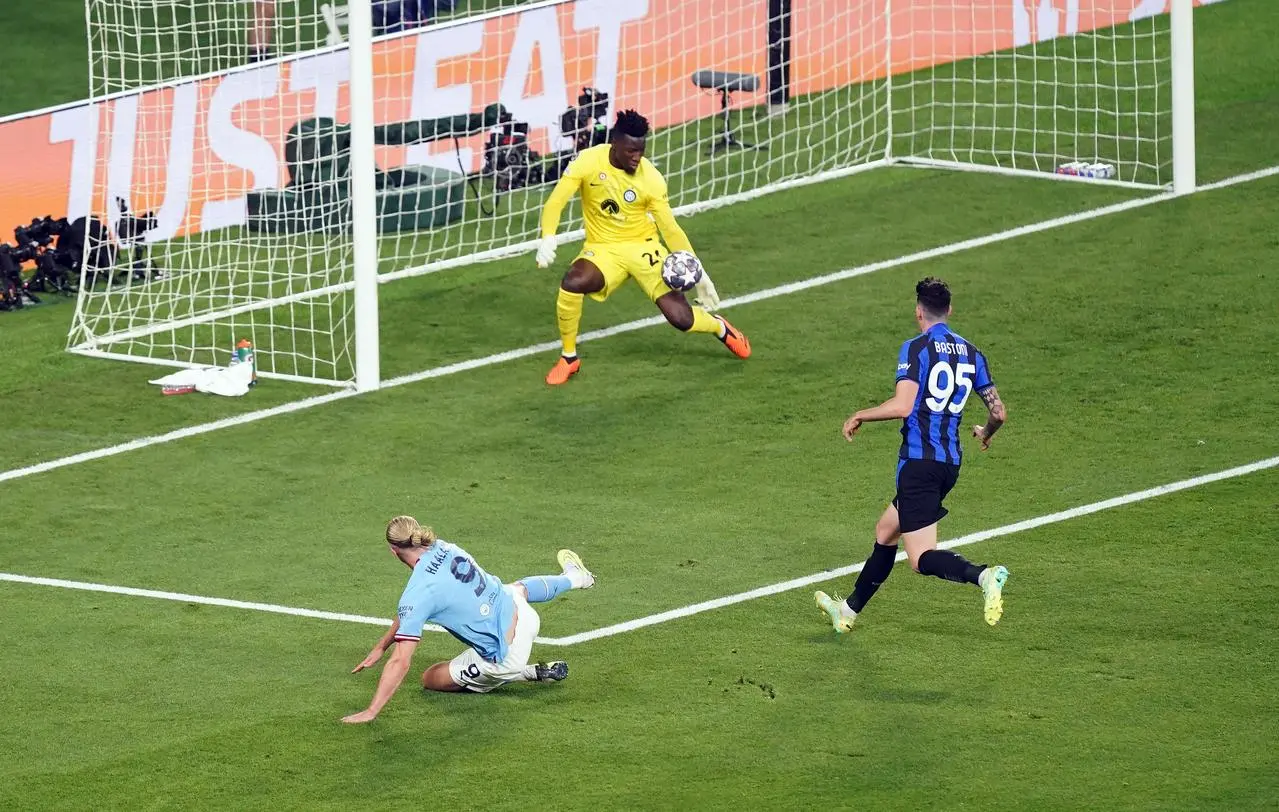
(546, 252)
(707, 296)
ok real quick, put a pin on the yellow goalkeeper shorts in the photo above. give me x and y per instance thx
(641, 261)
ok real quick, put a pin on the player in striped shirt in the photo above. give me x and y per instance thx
(937, 370)
(493, 619)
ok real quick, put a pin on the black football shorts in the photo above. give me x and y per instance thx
(921, 487)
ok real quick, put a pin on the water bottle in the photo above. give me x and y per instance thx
(244, 355)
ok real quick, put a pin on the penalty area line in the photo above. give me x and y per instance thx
(962, 541)
(684, 611)
(630, 326)
(203, 600)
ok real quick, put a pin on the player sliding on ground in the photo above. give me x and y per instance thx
(624, 205)
(495, 620)
(936, 372)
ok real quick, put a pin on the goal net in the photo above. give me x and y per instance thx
(224, 185)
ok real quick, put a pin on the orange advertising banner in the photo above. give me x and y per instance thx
(191, 152)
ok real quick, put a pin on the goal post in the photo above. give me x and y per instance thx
(364, 213)
(270, 200)
(1182, 54)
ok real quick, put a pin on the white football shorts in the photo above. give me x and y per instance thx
(473, 672)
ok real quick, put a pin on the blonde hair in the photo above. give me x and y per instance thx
(404, 531)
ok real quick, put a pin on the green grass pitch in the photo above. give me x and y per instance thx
(1135, 668)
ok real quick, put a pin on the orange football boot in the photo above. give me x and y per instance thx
(735, 340)
(563, 370)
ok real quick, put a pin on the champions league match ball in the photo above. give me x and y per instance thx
(681, 270)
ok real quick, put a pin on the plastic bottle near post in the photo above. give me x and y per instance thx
(244, 355)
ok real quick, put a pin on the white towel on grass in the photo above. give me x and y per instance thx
(232, 381)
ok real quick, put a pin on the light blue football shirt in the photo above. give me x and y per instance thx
(449, 589)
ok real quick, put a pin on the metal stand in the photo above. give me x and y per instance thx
(726, 139)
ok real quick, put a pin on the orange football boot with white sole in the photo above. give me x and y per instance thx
(563, 370)
(735, 340)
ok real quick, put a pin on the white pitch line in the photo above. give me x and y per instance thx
(693, 609)
(176, 434)
(630, 326)
(182, 597)
(972, 538)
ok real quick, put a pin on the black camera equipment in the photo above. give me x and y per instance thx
(37, 234)
(31, 243)
(508, 158)
(586, 123)
(131, 231)
(59, 251)
(84, 243)
(13, 289)
(57, 265)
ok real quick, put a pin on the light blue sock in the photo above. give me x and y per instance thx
(543, 588)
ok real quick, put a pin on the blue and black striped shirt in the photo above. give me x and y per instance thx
(948, 369)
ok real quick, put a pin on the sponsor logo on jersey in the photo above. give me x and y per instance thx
(610, 206)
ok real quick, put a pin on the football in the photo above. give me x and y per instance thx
(681, 270)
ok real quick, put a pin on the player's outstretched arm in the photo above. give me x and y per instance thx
(897, 407)
(998, 416)
(379, 649)
(392, 675)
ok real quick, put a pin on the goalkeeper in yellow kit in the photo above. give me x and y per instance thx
(624, 205)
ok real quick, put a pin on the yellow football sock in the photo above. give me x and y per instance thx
(568, 312)
(704, 322)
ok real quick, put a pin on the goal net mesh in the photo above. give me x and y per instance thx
(223, 182)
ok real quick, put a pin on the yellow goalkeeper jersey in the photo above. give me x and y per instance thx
(617, 207)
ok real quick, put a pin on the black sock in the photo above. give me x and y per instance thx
(875, 571)
(949, 565)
